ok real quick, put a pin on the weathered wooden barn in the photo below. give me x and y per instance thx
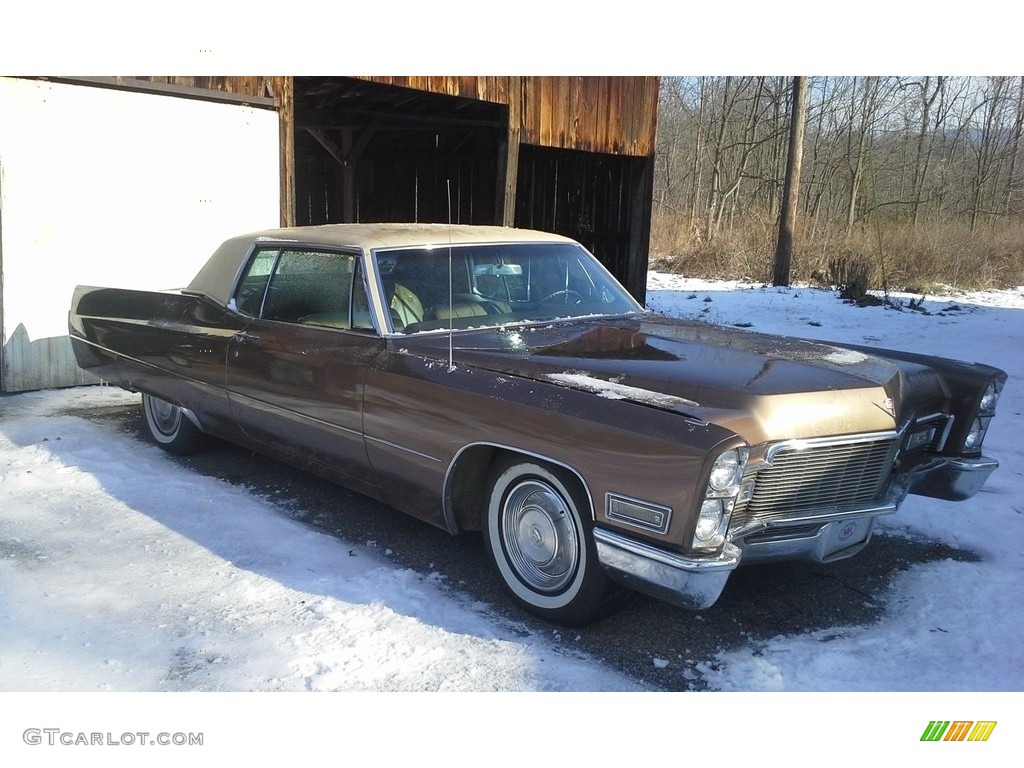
(572, 155)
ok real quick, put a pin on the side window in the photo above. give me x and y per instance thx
(253, 285)
(311, 287)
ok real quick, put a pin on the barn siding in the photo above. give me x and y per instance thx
(611, 115)
(242, 85)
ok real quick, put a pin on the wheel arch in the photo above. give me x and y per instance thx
(464, 482)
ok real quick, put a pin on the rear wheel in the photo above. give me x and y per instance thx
(170, 428)
(540, 540)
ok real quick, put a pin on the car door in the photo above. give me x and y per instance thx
(295, 374)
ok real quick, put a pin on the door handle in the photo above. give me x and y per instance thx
(243, 337)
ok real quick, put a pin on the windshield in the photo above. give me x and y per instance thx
(495, 284)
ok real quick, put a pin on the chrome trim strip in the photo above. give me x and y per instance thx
(820, 442)
(888, 508)
(941, 444)
(375, 293)
(449, 514)
(191, 416)
(404, 448)
(198, 330)
(129, 382)
(264, 404)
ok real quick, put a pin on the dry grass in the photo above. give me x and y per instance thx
(893, 256)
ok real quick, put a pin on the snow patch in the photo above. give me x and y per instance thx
(613, 390)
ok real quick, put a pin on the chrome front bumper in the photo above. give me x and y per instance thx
(954, 479)
(695, 581)
(687, 580)
(820, 542)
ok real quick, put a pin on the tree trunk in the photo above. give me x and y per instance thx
(791, 187)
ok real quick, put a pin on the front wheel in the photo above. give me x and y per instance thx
(542, 546)
(170, 428)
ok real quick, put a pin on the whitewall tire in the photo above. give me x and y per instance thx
(170, 428)
(537, 530)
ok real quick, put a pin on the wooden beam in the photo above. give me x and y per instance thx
(508, 156)
(641, 194)
(284, 96)
(395, 120)
(330, 145)
(348, 178)
(348, 154)
(161, 87)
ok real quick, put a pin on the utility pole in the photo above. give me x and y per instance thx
(791, 187)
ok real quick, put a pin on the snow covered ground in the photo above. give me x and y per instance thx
(122, 571)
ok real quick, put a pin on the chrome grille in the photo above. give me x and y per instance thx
(804, 478)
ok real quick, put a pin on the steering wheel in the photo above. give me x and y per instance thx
(567, 292)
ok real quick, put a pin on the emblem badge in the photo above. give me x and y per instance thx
(847, 531)
(888, 406)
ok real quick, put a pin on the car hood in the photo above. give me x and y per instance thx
(760, 386)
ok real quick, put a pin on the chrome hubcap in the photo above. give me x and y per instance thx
(540, 537)
(165, 416)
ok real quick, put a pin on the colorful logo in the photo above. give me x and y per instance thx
(958, 730)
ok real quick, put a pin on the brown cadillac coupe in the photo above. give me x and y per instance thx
(500, 380)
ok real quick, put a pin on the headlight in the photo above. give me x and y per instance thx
(726, 472)
(709, 531)
(974, 436)
(724, 484)
(989, 399)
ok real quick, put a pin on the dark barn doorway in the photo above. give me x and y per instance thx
(370, 152)
(587, 196)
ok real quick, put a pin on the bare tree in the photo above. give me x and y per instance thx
(904, 153)
(791, 187)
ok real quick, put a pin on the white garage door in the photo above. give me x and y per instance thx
(115, 188)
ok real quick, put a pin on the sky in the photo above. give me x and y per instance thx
(644, 37)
